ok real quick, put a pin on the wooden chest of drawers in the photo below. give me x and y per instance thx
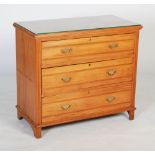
(75, 69)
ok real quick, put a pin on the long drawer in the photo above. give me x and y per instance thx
(85, 73)
(81, 104)
(66, 52)
(85, 114)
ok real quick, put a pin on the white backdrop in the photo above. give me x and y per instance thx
(143, 14)
(110, 133)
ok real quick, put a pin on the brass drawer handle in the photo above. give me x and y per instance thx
(114, 45)
(109, 99)
(111, 72)
(65, 106)
(66, 50)
(66, 79)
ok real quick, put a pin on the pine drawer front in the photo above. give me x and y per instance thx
(81, 50)
(92, 102)
(85, 114)
(78, 75)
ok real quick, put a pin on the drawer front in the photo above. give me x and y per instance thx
(88, 40)
(80, 104)
(85, 114)
(78, 50)
(85, 73)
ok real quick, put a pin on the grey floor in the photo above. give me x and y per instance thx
(108, 133)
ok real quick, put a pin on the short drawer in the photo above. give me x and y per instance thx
(85, 73)
(81, 50)
(81, 104)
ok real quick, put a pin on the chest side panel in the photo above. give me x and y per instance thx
(28, 85)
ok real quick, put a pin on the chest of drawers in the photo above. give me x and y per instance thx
(75, 69)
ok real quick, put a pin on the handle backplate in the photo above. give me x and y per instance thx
(113, 45)
(65, 106)
(66, 50)
(111, 72)
(110, 99)
(66, 79)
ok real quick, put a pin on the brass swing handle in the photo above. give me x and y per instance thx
(66, 50)
(111, 72)
(65, 106)
(109, 99)
(66, 79)
(113, 45)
